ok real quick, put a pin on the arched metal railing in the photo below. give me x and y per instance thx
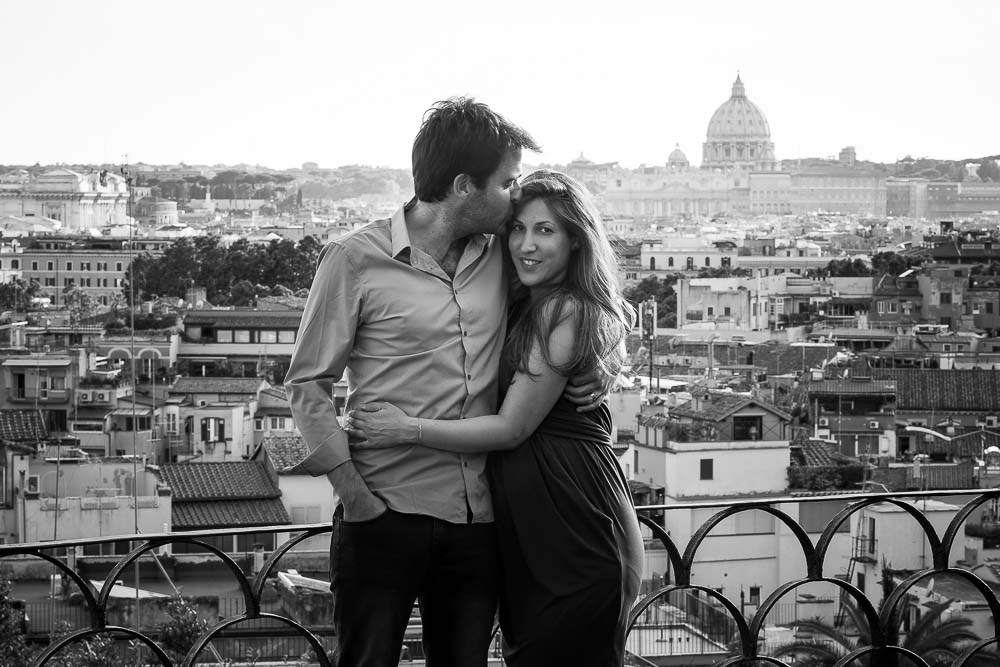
(883, 622)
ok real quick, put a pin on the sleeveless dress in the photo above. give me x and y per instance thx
(570, 547)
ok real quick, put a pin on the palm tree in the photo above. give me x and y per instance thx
(937, 640)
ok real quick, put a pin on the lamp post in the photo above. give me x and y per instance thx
(647, 319)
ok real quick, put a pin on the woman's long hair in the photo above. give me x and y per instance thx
(591, 287)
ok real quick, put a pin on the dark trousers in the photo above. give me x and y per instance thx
(378, 569)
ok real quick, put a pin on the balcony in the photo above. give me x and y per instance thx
(685, 617)
(42, 395)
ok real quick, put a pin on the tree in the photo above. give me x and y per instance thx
(94, 651)
(80, 304)
(13, 645)
(988, 169)
(179, 634)
(937, 640)
(662, 291)
(892, 263)
(17, 294)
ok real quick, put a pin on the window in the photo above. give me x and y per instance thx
(754, 597)
(706, 471)
(49, 266)
(15, 263)
(727, 311)
(118, 266)
(880, 307)
(171, 422)
(34, 266)
(652, 264)
(268, 336)
(747, 427)
(258, 424)
(708, 261)
(304, 514)
(727, 262)
(945, 298)
(213, 429)
(223, 336)
(277, 423)
(711, 311)
(690, 264)
(241, 336)
(893, 307)
(69, 266)
(286, 336)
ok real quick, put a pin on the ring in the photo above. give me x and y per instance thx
(593, 396)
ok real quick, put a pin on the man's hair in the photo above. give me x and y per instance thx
(461, 136)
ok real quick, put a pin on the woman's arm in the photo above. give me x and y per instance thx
(529, 399)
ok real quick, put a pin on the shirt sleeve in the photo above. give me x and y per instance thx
(322, 347)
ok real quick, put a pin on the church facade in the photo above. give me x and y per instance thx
(737, 143)
(75, 202)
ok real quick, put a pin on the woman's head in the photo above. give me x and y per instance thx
(572, 208)
(562, 253)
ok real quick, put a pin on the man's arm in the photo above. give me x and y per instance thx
(322, 347)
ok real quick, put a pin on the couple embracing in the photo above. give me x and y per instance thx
(477, 329)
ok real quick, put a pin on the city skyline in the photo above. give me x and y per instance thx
(336, 84)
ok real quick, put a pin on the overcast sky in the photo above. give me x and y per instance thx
(280, 83)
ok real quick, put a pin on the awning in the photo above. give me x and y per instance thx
(138, 411)
(89, 414)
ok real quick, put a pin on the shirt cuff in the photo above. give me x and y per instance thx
(328, 455)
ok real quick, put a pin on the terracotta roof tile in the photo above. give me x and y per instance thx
(245, 480)
(228, 514)
(257, 319)
(22, 425)
(285, 451)
(935, 389)
(209, 385)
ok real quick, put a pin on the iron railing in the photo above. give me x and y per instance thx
(723, 632)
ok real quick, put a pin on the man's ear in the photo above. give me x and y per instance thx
(462, 185)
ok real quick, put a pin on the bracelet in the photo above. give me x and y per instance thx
(420, 432)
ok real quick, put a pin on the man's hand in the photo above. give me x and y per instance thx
(588, 391)
(359, 503)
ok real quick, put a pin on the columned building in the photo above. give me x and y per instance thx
(79, 201)
(738, 144)
(738, 136)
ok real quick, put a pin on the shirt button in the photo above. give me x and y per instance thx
(469, 376)
(465, 333)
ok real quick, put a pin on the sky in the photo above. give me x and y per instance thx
(281, 83)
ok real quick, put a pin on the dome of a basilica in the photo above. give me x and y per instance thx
(738, 118)
(677, 158)
(738, 135)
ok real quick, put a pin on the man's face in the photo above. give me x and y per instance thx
(490, 206)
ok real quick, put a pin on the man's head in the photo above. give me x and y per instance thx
(462, 148)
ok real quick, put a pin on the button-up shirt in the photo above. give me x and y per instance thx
(385, 314)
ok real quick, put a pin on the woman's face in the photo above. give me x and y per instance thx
(540, 246)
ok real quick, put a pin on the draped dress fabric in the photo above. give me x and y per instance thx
(571, 551)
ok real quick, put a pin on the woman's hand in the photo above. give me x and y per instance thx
(588, 391)
(380, 425)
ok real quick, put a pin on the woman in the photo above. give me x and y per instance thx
(571, 550)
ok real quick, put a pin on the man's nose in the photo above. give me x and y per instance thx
(515, 193)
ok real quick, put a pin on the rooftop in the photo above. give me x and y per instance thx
(218, 385)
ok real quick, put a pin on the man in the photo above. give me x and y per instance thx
(413, 310)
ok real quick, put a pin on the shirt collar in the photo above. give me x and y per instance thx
(401, 235)
(398, 232)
